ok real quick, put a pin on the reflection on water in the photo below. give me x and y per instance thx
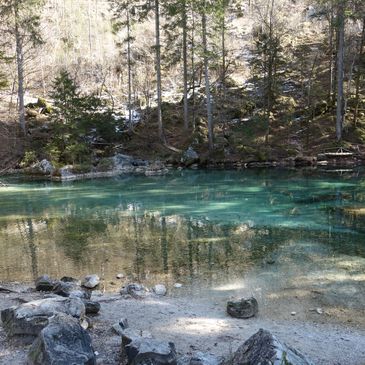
(209, 229)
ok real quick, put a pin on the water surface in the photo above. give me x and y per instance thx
(261, 230)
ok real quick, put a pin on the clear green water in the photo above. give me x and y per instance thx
(198, 228)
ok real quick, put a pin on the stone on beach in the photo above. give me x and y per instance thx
(62, 342)
(243, 308)
(265, 349)
(91, 281)
(30, 318)
(44, 283)
(160, 289)
(150, 351)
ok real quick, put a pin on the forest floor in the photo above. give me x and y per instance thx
(200, 323)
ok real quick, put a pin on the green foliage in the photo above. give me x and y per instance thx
(78, 120)
(29, 158)
(105, 164)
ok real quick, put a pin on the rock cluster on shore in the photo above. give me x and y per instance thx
(57, 328)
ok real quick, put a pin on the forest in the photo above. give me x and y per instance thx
(182, 182)
(244, 81)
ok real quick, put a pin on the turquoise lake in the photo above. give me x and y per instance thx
(204, 229)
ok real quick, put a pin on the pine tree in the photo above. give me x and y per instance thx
(21, 21)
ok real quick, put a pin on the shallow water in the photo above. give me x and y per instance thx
(258, 231)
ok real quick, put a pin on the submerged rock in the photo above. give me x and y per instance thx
(91, 281)
(30, 318)
(150, 351)
(62, 342)
(71, 289)
(200, 358)
(44, 283)
(265, 349)
(243, 308)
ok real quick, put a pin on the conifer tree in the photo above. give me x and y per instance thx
(21, 22)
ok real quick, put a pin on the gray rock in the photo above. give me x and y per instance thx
(43, 167)
(152, 352)
(44, 283)
(120, 326)
(66, 172)
(91, 307)
(200, 358)
(189, 157)
(30, 318)
(71, 289)
(160, 289)
(69, 279)
(137, 291)
(265, 349)
(122, 162)
(62, 342)
(129, 335)
(243, 308)
(91, 281)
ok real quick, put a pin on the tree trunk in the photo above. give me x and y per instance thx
(270, 72)
(193, 63)
(129, 71)
(223, 30)
(330, 66)
(359, 73)
(158, 72)
(207, 83)
(20, 65)
(185, 62)
(340, 69)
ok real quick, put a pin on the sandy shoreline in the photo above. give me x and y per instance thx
(196, 323)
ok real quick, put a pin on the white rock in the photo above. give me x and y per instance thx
(91, 281)
(293, 313)
(160, 289)
(178, 285)
(120, 276)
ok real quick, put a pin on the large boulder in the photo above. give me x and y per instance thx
(243, 308)
(43, 167)
(200, 358)
(62, 342)
(30, 318)
(265, 349)
(150, 351)
(71, 289)
(189, 157)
